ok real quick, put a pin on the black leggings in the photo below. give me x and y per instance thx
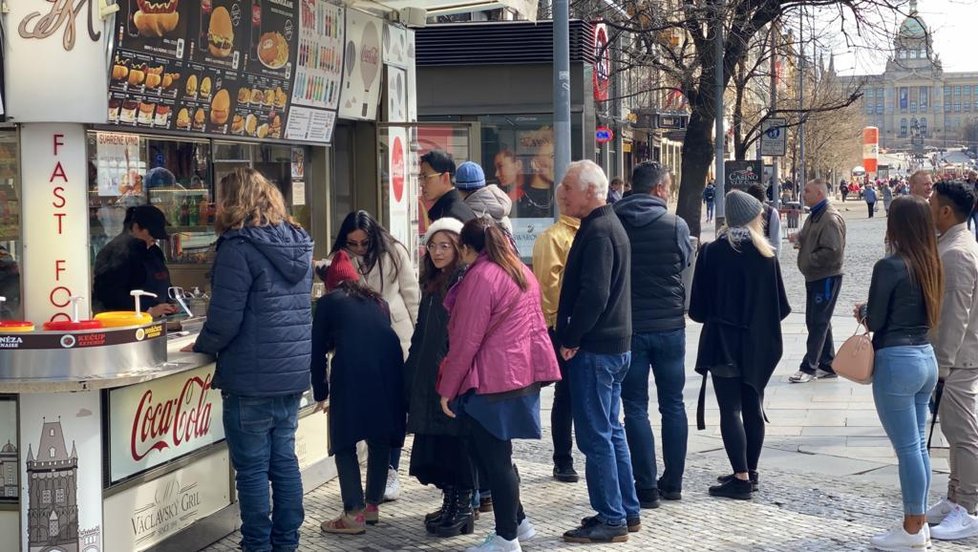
(741, 422)
(496, 458)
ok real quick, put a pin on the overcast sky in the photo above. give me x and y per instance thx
(953, 23)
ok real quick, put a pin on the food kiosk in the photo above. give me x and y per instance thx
(111, 439)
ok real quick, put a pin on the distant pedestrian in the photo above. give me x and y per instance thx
(709, 198)
(498, 357)
(365, 389)
(615, 190)
(739, 296)
(869, 196)
(972, 181)
(771, 219)
(887, 197)
(661, 251)
(549, 258)
(956, 350)
(821, 247)
(904, 306)
(595, 330)
(844, 190)
(921, 184)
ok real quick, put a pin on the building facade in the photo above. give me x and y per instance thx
(914, 102)
(52, 492)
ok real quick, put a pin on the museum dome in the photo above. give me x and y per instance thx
(913, 26)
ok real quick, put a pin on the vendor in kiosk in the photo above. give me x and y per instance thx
(133, 260)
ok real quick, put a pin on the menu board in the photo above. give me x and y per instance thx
(227, 67)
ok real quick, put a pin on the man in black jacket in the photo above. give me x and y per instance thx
(436, 181)
(594, 328)
(660, 252)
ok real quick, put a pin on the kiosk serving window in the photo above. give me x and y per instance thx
(182, 178)
(10, 227)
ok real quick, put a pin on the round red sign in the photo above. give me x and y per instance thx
(604, 135)
(397, 168)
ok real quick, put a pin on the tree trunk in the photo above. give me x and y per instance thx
(696, 159)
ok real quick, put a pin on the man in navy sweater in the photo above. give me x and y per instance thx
(594, 328)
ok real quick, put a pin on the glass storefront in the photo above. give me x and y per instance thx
(10, 227)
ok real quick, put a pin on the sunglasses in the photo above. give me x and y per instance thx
(357, 244)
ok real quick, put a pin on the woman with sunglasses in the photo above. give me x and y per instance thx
(385, 266)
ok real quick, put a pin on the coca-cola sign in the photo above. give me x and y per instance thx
(158, 421)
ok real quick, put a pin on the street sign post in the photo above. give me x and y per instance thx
(774, 137)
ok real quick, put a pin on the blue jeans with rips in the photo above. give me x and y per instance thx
(665, 353)
(595, 381)
(260, 435)
(903, 379)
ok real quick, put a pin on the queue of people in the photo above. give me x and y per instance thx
(458, 359)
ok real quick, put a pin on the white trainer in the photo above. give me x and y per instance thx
(801, 377)
(898, 540)
(495, 543)
(525, 531)
(957, 525)
(393, 490)
(939, 511)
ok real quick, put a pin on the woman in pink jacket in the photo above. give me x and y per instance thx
(499, 354)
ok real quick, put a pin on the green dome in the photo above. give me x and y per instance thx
(913, 27)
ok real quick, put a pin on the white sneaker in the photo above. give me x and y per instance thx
(495, 543)
(898, 540)
(393, 489)
(957, 525)
(939, 511)
(927, 532)
(525, 531)
(801, 377)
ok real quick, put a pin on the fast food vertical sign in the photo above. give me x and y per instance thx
(55, 228)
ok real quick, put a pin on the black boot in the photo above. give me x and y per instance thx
(458, 519)
(434, 518)
(738, 489)
(753, 479)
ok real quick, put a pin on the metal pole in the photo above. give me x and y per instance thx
(803, 176)
(720, 139)
(775, 179)
(562, 117)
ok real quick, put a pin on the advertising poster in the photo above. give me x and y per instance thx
(396, 94)
(142, 516)
(319, 71)
(412, 78)
(61, 475)
(119, 168)
(740, 175)
(157, 421)
(397, 152)
(9, 469)
(215, 67)
(361, 67)
(396, 46)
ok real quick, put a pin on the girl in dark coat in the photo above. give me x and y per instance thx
(738, 295)
(439, 456)
(365, 387)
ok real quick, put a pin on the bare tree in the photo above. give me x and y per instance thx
(676, 39)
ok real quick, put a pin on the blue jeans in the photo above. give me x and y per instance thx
(665, 353)
(260, 435)
(903, 380)
(595, 382)
(709, 210)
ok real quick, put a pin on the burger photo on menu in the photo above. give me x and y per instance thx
(183, 119)
(156, 18)
(220, 33)
(192, 86)
(220, 107)
(237, 125)
(199, 119)
(205, 87)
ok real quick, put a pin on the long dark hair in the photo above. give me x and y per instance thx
(484, 234)
(380, 242)
(435, 280)
(910, 232)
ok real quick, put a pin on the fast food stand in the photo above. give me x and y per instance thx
(110, 437)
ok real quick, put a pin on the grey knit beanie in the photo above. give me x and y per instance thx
(741, 208)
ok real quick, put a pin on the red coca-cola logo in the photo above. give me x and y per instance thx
(161, 424)
(397, 169)
(256, 15)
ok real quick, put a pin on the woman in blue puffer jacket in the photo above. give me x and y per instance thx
(259, 326)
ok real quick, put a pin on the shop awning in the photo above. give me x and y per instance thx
(526, 8)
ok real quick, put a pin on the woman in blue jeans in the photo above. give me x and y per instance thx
(904, 305)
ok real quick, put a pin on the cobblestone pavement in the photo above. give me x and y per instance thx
(793, 511)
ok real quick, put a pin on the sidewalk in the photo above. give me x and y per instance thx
(828, 481)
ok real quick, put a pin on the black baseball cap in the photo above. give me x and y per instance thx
(150, 218)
